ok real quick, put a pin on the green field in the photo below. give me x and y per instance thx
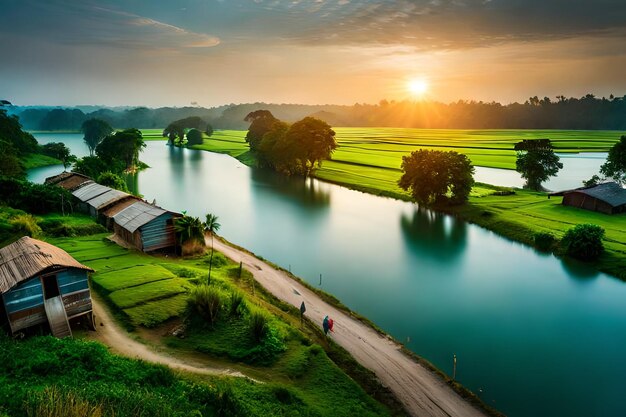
(368, 159)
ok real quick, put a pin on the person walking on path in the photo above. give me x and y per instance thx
(327, 324)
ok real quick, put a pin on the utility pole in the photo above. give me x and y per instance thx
(454, 368)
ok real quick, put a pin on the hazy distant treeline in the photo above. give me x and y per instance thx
(587, 112)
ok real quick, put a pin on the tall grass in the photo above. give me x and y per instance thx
(237, 303)
(258, 325)
(53, 402)
(206, 301)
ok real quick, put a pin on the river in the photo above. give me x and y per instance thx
(534, 335)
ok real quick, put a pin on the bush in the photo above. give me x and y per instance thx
(112, 180)
(237, 303)
(544, 241)
(258, 325)
(25, 224)
(207, 301)
(194, 137)
(584, 241)
(219, 260)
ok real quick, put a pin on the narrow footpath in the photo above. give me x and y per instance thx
(421, 391)
(118, 340)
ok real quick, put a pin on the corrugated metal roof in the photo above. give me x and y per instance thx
(107, 198)
(136, 215)
(609, 192)
(28, 257)
(89, 191)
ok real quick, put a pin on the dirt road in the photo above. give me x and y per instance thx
(418, 389)
(121, 343)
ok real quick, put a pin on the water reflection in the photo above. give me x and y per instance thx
(440, 236)
(306, 191)
(578, 270)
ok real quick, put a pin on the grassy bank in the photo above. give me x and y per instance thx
(37, 160)
(152, 291)
(369, 160)
(45, 376)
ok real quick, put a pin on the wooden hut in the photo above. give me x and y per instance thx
(40, 284)
(68, 180)
(146, 227)
(609, 198)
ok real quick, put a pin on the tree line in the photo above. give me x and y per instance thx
(586, 112)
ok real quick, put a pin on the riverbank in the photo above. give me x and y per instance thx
(420, 390)
(517, 216)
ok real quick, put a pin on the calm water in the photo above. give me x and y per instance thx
(538, 336)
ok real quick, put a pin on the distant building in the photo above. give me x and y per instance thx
(68, 180)
(41, 283)
(146, 227)
(609, 198)
(96, 198)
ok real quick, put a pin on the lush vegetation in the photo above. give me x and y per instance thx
(289, 149)
(615, 166)
(188, 129)
(95, 130)
(228, 321)
(45, 376)
(59, 151)
(369, 159)
(536, 162)
(584, 241)
(432, 175)
(586, 112)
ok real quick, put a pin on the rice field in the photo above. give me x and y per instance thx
(143, 287)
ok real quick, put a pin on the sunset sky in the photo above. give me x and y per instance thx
(212, 52)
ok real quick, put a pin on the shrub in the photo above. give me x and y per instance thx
(544, 241)
(258, 325)
(219, 260)
(207, 301)
(112, 180)
(194, 137)
(237, 303)
(26, 224)
(584, 241)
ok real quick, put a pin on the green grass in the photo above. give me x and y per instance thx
(149, 290)
(45, 373)
(36, 160)
(138, 285)
(132, 276)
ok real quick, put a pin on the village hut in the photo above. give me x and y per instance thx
(146, 227)
(41, 283)
(609, 198)
(96, 198)
(68, 180)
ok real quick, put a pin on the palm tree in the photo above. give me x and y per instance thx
(211, 226)
(189, 228)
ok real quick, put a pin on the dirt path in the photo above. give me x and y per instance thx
(121, 343)
(418, 389)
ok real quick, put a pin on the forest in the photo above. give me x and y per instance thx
(584, 113)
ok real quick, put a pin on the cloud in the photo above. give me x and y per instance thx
(80, 23)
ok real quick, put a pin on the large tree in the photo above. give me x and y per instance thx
(11, 132)
(432, 175)
(261, 122)
(194, 137)
(615, 165)
(95, 130)
(536, 161)
(59, 151)
(306, 144)
(121, 150)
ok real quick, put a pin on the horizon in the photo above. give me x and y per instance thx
(343, 52)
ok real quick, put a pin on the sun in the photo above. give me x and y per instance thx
(417, 87)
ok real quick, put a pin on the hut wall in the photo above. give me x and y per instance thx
(587, 202)
(158, 233)
(133, 239)
(24, 304)
(74, 288)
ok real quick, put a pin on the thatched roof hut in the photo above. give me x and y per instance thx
(68, 180)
